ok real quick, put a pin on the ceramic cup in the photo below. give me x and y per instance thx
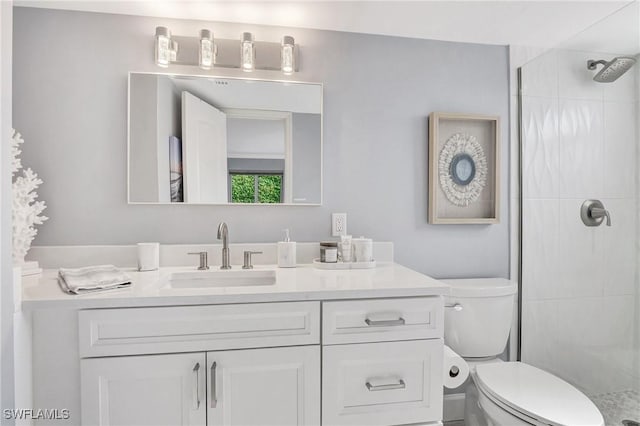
(148, 256)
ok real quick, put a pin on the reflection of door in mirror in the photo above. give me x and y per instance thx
(212, 140)
(259, 156)
(204, 151)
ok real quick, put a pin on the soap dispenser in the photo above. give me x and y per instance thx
(286, 252)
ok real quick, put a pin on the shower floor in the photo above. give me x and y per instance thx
(618, 406)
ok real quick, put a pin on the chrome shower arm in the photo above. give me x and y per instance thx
(591, 64)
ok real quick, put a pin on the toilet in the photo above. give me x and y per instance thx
(478, 317)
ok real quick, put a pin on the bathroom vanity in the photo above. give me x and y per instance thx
(267, 347)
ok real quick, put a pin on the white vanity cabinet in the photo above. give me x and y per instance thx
(373, 361)
(261, 387)
(133, 371)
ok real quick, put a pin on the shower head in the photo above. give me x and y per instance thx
(612, 69)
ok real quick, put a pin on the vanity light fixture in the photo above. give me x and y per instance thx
(247, 52)
(287, 55)
(206, 52)
(163, 47)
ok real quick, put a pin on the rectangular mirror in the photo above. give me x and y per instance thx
(221, 140)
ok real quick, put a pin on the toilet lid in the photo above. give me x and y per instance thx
(537, 394)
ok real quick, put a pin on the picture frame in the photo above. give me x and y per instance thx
(464, 169)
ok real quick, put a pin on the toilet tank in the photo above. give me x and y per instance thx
(478, 315)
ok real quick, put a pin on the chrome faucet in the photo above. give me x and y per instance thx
(223, 234)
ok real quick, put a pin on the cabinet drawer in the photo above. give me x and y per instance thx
(129, 331)
(382, 320)
(382, 383)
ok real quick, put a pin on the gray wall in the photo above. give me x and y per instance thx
(144, 130)
(70, 103)
(6, 261)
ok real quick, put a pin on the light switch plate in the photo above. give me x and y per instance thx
(338, 224)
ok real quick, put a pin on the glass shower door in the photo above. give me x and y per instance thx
(579, 143)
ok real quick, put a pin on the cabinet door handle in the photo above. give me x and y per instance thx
(214, 400)
(389, 386)
(196, 390)
(384, 323)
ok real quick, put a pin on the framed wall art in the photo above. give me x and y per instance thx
(464, 168)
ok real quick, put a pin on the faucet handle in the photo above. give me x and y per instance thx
(593, 213)
(204, 262)
(247, 259)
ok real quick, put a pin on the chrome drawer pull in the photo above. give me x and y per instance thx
(384, 323)
(196, 370)
(456, 307)
(391, 386)
(214, 397)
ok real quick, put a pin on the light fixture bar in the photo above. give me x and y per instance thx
(227, 53)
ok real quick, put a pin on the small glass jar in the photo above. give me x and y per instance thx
(329, 252)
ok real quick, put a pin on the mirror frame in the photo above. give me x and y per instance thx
(164, 203)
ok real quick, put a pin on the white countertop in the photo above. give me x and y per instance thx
(302, 283)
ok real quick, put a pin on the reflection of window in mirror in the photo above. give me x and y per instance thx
(259, 145)
(256, 188)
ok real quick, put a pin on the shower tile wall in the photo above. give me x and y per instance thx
(579, 283)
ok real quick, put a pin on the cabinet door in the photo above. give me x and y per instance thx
(144, 390)
(265, 387)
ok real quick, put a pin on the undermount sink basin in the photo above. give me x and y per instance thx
(220, 278)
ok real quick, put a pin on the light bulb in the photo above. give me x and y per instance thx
(206, 53)
(247, 52)
(163, 47)
(287, 64)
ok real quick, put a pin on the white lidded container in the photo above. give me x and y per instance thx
(478, 316)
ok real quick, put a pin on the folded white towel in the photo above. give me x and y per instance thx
(92, 278)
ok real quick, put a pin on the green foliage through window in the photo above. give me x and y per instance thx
(254, 188)
(269, 188)
(243, 189)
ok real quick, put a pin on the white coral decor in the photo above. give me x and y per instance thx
(26, 210)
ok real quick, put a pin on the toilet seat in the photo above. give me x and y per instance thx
(533, 394)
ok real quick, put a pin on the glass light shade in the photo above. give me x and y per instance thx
(163, 47)
(287, 55)
(247, 53)
(206, 52)
(174, 51)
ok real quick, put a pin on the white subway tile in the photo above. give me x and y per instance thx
(620, 149)
(581, 149)
(540, 145)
